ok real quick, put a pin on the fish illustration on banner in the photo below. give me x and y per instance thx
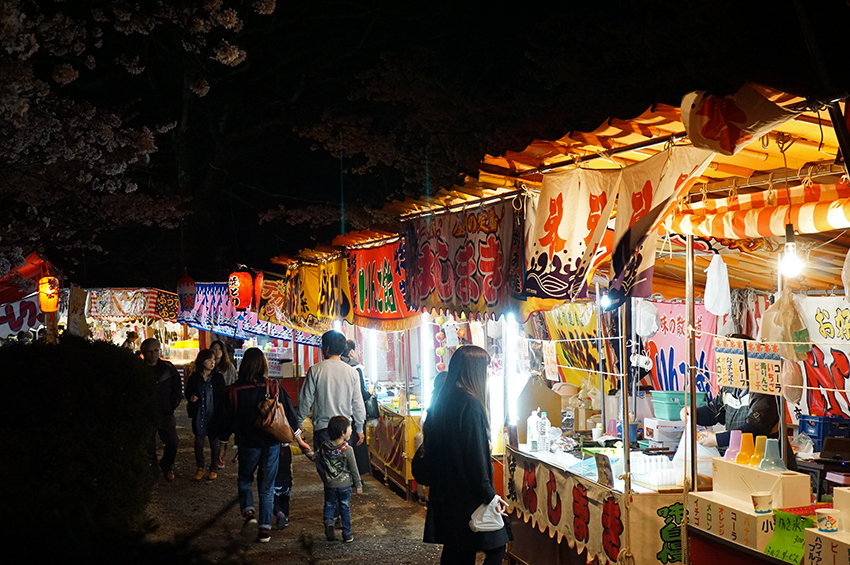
(378, 279)
(567, 225)
(461, 260)
(669, 346)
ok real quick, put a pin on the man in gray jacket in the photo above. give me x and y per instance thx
(332, 388)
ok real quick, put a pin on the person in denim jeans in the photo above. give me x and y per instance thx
(258, 450)
(337, 466)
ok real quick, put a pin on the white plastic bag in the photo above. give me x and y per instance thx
(794, 329)
(845, 276)
(647, 319)
(718, 298)
(682, 459)
(792, 381)
(486, 518)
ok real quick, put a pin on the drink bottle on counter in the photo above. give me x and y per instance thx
(543, 426)
(531, 430)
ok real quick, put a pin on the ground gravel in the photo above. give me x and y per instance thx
(205, 516)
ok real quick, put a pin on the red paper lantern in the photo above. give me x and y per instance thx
(48, 294)
(186, 293)
(241, 288)
(258, 290)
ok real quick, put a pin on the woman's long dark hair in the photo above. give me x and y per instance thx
(224, 363)
(467, 374)
(253, 363)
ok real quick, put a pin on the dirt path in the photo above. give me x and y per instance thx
(386, 528)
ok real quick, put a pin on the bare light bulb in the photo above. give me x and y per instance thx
(791, 265)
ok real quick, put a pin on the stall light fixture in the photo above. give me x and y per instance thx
(48, 294)
(612, 299)
(338, 325)
(605, 301)
(791, 265)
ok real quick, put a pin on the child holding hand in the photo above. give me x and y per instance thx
(338, 469)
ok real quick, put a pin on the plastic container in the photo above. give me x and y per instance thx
(747, 449)
(734, 445)
(819, 428)
(531, 430)
(758, 454)
(667, 404)
(543, 426)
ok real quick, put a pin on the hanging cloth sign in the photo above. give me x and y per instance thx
(214, 312)
(648, 192)
(77, 324)
(568, 224)
(572, 329)
(461, 260)
(308, 297)
(120, 304)
(378, 278)
(25, 314)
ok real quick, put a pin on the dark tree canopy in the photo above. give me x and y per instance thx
(138, 139)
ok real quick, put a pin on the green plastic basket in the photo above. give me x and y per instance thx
(667, 404)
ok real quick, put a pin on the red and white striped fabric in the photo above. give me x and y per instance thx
(767, 221)
(308, 355)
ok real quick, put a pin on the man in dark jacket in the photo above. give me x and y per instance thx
(168, 396)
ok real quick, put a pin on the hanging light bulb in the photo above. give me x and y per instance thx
(791, 265)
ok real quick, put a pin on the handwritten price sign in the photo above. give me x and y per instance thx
(765, 365)
(731, 362)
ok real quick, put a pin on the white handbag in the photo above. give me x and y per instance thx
(486, 518)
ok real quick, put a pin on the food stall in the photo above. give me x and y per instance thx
(150, 312)
(728, 515)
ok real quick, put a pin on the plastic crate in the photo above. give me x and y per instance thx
(820, 427)
(667, 404)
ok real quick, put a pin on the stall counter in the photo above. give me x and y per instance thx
(391, 446)
(588, 517)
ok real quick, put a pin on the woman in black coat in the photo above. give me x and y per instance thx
(205, 391)
(457, 448)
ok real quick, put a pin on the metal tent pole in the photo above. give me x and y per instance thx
(599, 351)
(692, 370)
(625, 330)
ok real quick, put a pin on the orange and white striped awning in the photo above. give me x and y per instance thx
(811, 208)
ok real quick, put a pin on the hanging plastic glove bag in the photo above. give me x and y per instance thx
(793, 329)
(647, 319)
(486, 518)
(845, 276)
(770, 329)
(792, 381)
(718, 297)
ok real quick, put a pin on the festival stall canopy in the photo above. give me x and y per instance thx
(122, 304)
(33, 269)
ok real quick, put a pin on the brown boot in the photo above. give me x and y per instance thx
(212, 476)
(199, 474)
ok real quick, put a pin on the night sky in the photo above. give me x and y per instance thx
(415, 93)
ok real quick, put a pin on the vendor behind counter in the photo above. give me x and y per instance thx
(739, 409)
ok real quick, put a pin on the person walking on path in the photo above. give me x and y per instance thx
(225, 366)
(457, 450)
(338, 469)
(331, 388)
(168, 397)
(361, 450)
(258, 450)
(205, 391)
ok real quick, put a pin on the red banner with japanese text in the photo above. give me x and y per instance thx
(378, 278)
(461, 260)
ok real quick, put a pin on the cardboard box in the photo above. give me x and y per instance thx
(580, 418)
(666, 431)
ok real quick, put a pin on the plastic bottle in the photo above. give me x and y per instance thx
(543, 426)
(531, 430)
